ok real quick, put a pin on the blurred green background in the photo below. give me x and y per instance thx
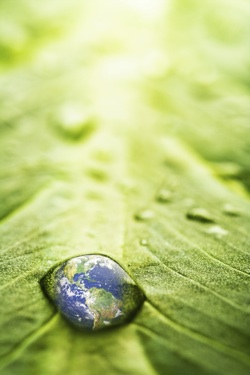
(180, 66)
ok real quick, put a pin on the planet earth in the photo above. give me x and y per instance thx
(93, 292)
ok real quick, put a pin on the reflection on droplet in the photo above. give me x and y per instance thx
(230, 210)
(144, 215)
(201, 215)
(144, 242)
(93, 292)
(164, 196)
(217, 231)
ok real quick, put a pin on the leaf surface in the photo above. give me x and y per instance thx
(92, 140)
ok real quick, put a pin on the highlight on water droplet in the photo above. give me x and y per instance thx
(200, 214)
(93, 292)
(144, 215)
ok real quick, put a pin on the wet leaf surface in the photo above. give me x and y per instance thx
(166, 133)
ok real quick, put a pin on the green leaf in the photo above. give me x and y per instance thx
(138, 151)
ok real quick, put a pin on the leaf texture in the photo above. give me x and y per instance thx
(95, 126)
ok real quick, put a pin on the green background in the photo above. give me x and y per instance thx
(124, 130)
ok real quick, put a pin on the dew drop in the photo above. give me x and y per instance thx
(227, 169)
(93, 292)
(217, 231)
(73, 121)
(164, 196)
(200, 214)
(230, 210)
(144, 242)
(144, 215)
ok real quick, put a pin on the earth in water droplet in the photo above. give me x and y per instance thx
(201, 215)
(93, 292)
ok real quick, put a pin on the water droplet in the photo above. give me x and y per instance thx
(164, 196)
(73, 121)
(93, 292)
(144, 242)
(227, 169)
(200, 214)
(230, 210)
(217, 231)
(144, 215)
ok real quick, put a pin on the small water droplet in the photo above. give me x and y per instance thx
(144, 242)
(144, 215)
(217, 231)
(201, 215)
(230, 210)
(73, 121)
(164, 196)
(93, 292)
(227, 169)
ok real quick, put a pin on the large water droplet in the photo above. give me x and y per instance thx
(200, 214)
(93, 292)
